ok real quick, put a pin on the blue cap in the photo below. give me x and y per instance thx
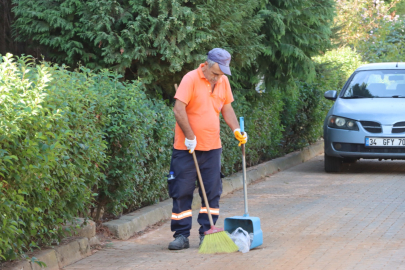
(222, 57)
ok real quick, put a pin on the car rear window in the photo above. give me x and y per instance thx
(376, 84)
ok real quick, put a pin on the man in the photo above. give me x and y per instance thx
(202, 95)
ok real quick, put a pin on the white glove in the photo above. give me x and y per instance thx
(191, 144)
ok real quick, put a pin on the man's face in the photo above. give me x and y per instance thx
(212, 74)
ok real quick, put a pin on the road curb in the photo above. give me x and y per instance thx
(137, 221)
(62, 255)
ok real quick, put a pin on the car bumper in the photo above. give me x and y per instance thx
(351, 144)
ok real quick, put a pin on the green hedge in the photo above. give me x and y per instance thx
(276, 122)
(262, 124)
(50, 144)
(140, 137)
(70, 141)
(303, 115)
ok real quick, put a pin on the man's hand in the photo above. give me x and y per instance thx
(191, 144)
(241, 138)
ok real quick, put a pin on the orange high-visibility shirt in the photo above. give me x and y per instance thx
(203, 108)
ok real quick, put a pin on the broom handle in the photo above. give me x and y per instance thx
(203, 189)
(242, 130)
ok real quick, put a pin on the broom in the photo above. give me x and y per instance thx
(216, 240)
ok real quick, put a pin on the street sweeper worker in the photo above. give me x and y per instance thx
(202, 95)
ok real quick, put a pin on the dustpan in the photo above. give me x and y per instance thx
(249, 224)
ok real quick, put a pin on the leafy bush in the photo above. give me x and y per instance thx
(386, 42)
(262, 123)
(303, 116)
(365, 16)
(303, 106)
(400, 8)
(66, 135)
(374, 30)
(50, 149)
(276, 124)
(336, 66)
(140, 134)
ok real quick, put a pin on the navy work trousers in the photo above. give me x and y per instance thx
(182, 187)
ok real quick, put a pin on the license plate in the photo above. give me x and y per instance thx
(396, 142)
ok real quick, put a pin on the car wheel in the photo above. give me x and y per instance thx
(349, 160)
(332, 164)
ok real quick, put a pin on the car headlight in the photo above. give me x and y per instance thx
(342, 123)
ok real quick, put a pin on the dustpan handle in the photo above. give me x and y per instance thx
(242, 130)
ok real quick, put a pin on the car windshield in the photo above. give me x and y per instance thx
(376, 84)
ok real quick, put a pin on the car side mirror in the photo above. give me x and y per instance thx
(331, 95)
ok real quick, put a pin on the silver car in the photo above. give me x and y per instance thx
(367, 119)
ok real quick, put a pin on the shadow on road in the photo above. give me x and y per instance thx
(361, 166)
(373, 165)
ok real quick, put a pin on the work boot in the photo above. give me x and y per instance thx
(201, 239)
(179, 242)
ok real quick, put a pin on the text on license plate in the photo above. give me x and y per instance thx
(385, 142)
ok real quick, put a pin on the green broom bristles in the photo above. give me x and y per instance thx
(218, 242)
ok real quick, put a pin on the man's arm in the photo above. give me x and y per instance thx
(181, 117)
(229, 116)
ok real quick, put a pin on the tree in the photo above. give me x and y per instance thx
(294, 32)
(375, 31)
(157, 41)
(6, 42)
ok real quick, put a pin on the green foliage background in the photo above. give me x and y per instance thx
(336, 66)
(50, 143)
(375, 29)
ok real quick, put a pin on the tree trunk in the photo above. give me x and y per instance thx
(4, 25)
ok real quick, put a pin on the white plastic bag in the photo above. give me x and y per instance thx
(242, 239)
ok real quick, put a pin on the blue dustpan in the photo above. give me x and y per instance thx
(249, 224)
